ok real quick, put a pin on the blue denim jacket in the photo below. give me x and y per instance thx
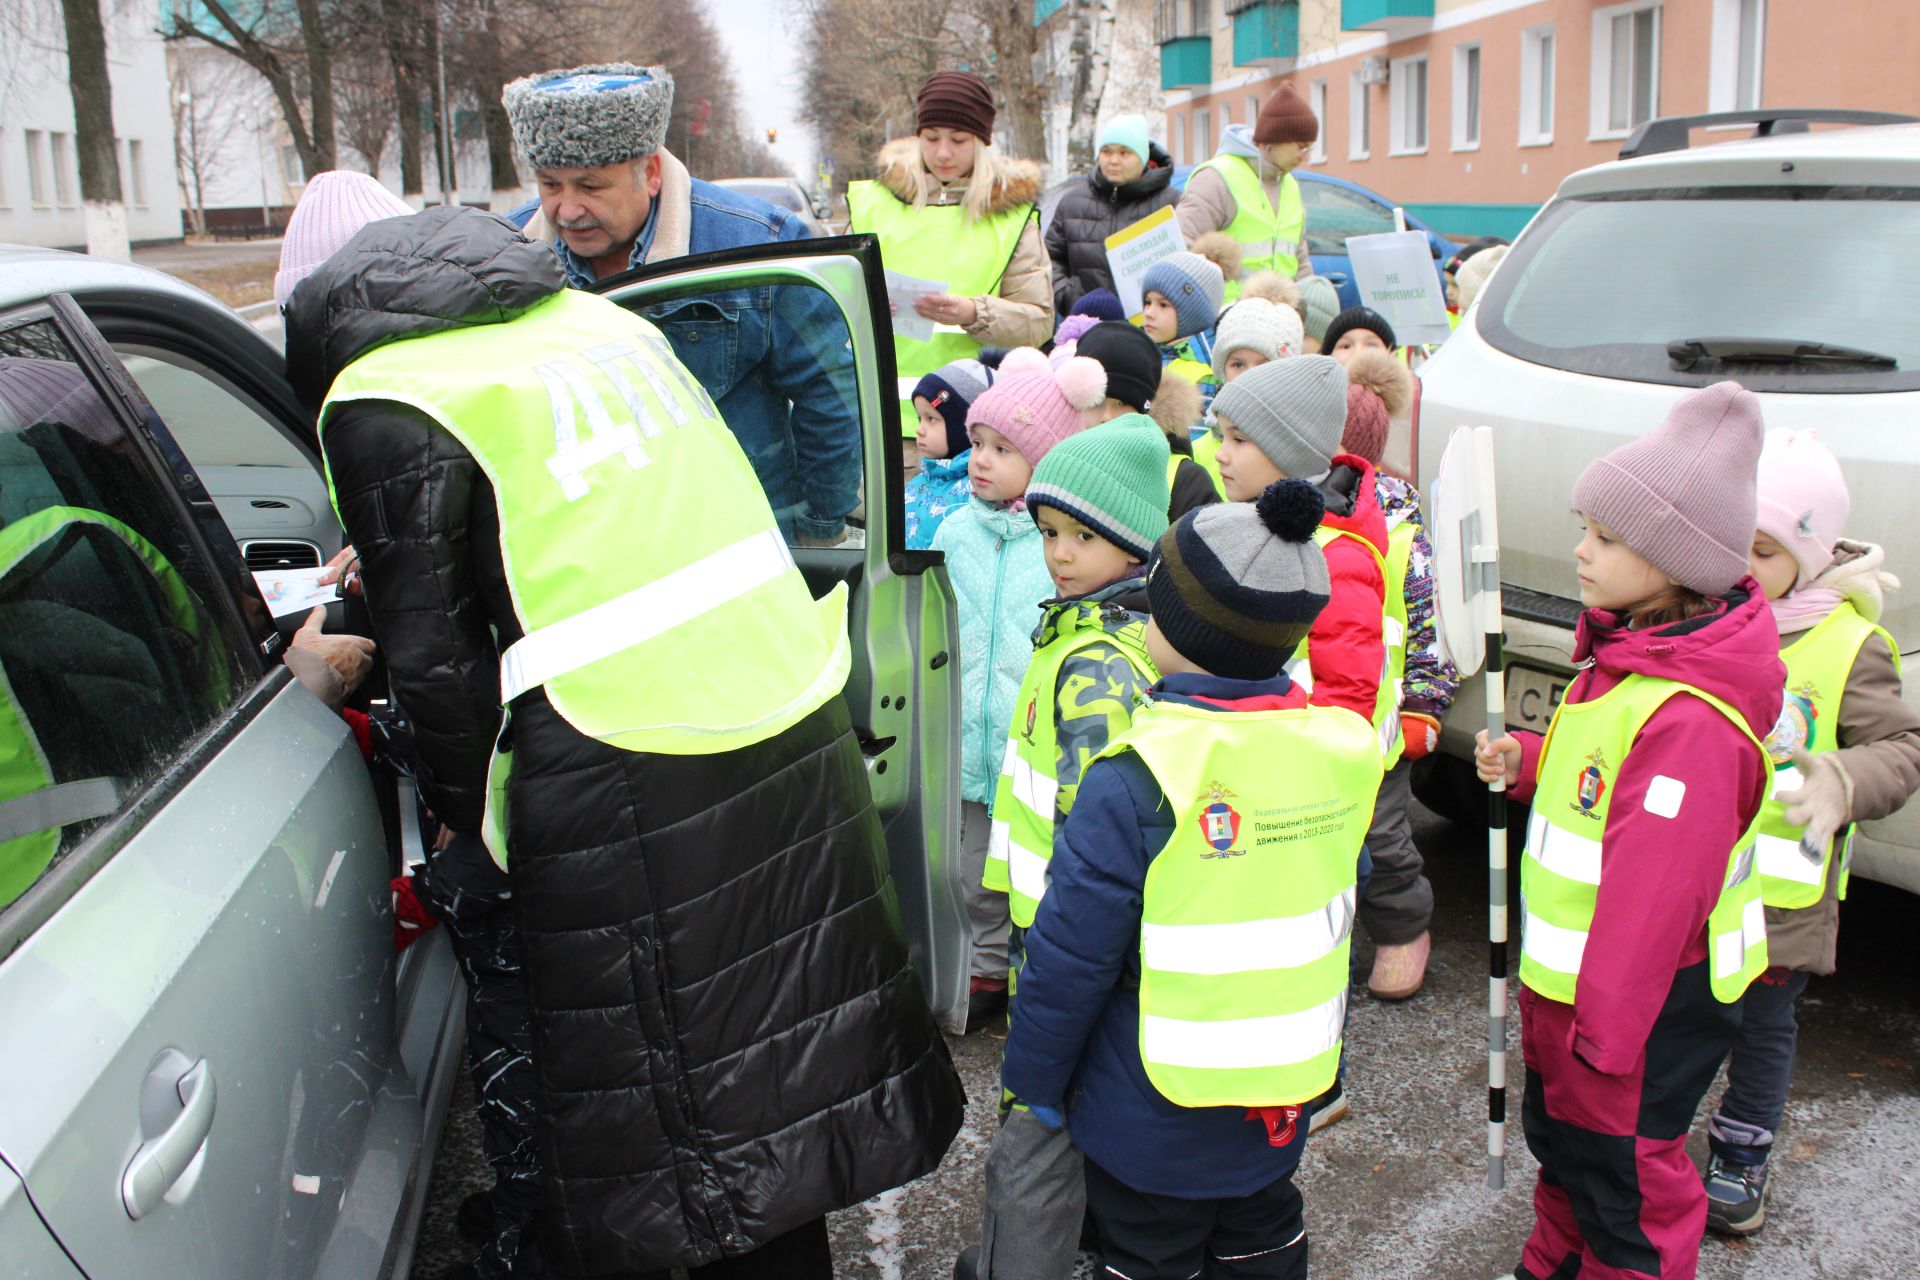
(775, 359)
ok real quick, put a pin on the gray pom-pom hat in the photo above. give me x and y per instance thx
(586, 117)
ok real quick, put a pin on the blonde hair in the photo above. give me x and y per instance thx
(989, 174)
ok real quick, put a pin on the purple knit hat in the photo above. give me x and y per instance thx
(1036, 406)
(1682, 496)
(333, 208)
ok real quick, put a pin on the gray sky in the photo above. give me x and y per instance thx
(762, 36)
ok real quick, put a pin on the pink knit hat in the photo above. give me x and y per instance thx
(1036, 406)
(1682, 496)
(333, 208)
(1803, 501)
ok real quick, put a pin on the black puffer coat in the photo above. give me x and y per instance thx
(1090, 211)
(730, 1039)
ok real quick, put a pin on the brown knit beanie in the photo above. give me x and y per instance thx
(955, 100)
(1683, 496)
(1286, 117)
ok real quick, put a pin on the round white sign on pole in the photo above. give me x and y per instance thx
(1459, 511)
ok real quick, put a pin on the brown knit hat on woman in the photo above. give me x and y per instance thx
(955, 100)
(1286, 117)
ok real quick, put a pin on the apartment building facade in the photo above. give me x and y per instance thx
(1470, 112)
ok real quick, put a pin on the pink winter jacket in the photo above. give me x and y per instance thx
(1659, 877)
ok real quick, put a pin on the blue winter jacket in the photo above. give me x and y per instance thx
(941, 488)
(1075, 1036)
(775, 359)
(1000, 575)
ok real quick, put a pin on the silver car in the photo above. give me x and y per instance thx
(217, 1065)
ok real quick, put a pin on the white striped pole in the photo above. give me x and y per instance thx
(1486, 558)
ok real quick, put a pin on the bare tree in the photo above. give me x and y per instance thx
(1091, 59)
(364, 106)
(99, 155)
(288, 43)
(205, 124)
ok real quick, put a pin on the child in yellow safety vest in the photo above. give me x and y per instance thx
(1845, 749)
(1397, 905)
(1100, 501)
(1186, 973)
(1641, 924)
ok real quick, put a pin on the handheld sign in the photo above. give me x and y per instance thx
(1132, 249)
(1463, 524)
(1395, 275)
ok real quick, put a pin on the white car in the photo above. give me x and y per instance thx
(1788, 262)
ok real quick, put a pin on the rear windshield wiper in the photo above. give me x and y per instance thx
(1685, 353)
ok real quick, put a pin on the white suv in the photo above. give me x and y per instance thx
(1790, 263)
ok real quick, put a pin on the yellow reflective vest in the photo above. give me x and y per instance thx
(660, 608)
(1561, 867)
(936, 242)
(1268, 237)
(1819, 664)
(1247, 914)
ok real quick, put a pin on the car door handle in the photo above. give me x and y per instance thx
(164, 1156)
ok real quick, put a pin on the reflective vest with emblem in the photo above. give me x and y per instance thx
(1028, 791)
(1247, 913)
(1386, 699)
(34, 809)
(660, 608)
(1818, 665)
(1560, 869)
(936, 242)
(1267, 237)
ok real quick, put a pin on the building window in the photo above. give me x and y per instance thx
(1253, 110)
(4, 203)
(1202, 137)
(136, 175)
(1317, 97)
(1739, 54)
(1178, 19)
(1626, 67)
(1359, 117)
(37, 187)
(1536, 86)
(1407, 99)
(1466, 97)
(290, 171)
(63, 171)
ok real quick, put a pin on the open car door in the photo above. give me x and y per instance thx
(790, 340)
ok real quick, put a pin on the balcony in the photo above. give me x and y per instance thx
(1266, 32)
(1395, 17)
(1186, 62)
(1044, 9)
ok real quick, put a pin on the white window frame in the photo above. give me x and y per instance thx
(1731, 41)
(1469, 95)
(1317, 102)
(1202, 134)
(1600, 127)
(65, 175)
(1538, 90)
(1253, 109)
(39, 186)
(1359, 118)
(136, 172)
(1399, 81)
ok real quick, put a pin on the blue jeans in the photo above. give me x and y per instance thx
(1761, 1067)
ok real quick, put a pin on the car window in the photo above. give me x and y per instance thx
(1603, 286)
(1335, 213)
(776, 360)
(779, 193)
(114, 647)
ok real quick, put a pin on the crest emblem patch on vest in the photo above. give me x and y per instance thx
(1794, 730)
(1033, 714)
(1220, 823)
(1593, 785)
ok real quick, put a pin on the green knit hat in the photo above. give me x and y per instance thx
(1319, 304)
(1112, 479)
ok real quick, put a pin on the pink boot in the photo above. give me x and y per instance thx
(1399, 971)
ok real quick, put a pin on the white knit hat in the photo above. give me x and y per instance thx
(1254, 324)
(333, 208)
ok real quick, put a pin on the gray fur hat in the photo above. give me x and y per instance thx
(585, 117)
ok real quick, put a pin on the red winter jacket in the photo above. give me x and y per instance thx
(1345, 648)
(1660, 876)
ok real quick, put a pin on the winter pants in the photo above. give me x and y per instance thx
(986, 908)
(1036, 1198)
(801, 1254)
(1762, 1064)
(1618, 1199)
(1143, 1236)
(1397, 904)
(473, 897)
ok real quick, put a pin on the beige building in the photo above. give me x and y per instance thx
(1470, 112)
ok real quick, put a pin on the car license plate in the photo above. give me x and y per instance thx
(1532, 696)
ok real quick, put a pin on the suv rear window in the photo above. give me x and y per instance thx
(1602, 285)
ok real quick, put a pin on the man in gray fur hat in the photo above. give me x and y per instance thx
(613, 198)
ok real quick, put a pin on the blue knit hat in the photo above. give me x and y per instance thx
(951, 389)
(1193, 285)
(1103, 304)
(1125, 131)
